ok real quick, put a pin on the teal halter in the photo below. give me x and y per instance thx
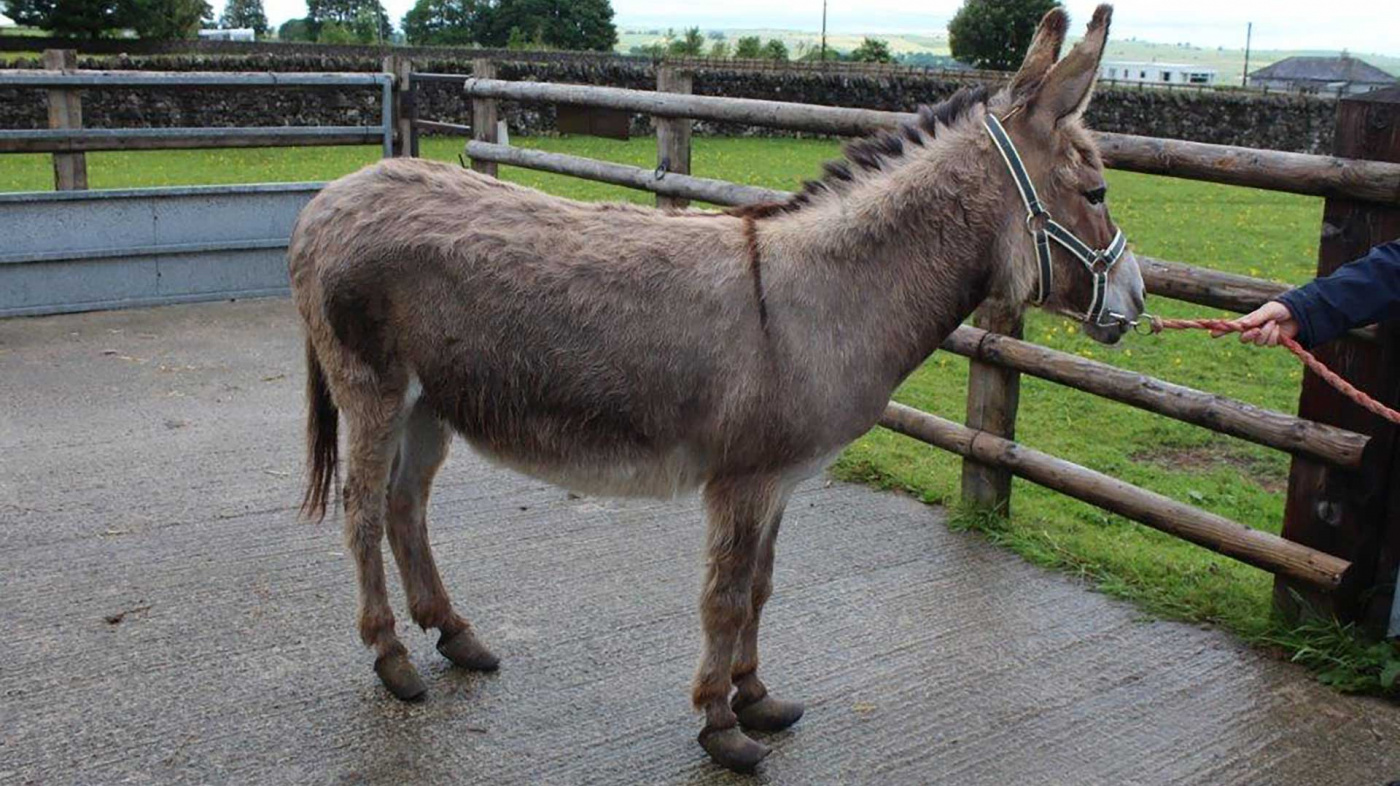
(1099, 262)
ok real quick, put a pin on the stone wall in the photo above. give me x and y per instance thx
(1280, 122)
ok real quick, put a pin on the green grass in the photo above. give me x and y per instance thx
(1256, 233)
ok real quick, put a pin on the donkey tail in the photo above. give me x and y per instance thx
(322, 439)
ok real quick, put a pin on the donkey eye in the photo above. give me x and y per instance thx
(1096, 196)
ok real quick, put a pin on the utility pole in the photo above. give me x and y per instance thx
(1248, 37)
(823, 31)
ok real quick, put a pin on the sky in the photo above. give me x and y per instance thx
(1357, 25)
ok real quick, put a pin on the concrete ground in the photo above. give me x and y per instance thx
(167, 619)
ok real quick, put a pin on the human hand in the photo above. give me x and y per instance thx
(1265, 326)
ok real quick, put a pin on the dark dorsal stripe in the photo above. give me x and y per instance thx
(756, 268)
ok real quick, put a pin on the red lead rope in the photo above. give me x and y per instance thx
(1328, 375)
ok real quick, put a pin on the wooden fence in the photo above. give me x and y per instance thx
(1341, 544)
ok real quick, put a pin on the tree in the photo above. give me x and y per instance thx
(995, 34)
(442, 22)
(775, 49)
(750, 47)
(558, 24)
(365, 21)
(692, 45)
(295, 30)
(336, 33)
(245, 13)
(167, 19)
(68, 18)
(719, 50)
(812, 53)
(655, 51)
(872, 50)
(520, 42)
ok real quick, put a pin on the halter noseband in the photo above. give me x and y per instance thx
(1099, 262)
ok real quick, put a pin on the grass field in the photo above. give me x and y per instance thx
(1256, 233)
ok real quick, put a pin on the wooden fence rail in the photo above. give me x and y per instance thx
(91, 139)
(1298, 173)
(1277, 430)
(717, 192)
(1315, 568)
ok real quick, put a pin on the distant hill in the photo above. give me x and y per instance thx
(1229, 62)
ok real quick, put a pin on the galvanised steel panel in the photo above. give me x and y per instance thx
(80, 251)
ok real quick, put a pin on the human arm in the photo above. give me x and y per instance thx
(1361, 292)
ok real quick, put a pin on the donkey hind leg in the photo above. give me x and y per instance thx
(375, 422)
(755, 708)
(422, 449)
(738, 509)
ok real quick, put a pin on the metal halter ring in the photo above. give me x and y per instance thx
(1142, 325)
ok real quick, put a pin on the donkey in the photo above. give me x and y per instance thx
(622, 350)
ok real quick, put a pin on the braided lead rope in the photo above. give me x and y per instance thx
(1314, 365)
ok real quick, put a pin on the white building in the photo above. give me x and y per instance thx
(231, 34)
(1157, 73)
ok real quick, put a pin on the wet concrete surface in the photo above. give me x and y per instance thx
(167, 618)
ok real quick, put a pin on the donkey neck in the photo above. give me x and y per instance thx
(901, 258)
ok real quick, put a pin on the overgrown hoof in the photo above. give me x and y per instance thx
(463, 649)
(768, 713)
(399, 676)
(732, 749)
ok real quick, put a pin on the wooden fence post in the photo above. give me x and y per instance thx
(66, 111)
(405, 105)
(673, 134)
(484, 115)
(993, 394)
(1354, 515)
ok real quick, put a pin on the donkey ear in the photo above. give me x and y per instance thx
(1070, 84)
(1044, 51)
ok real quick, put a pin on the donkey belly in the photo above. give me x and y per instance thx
(663, 475)
(570, 421)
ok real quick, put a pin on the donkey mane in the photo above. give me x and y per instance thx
(874, 153)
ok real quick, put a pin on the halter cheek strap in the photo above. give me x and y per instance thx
(1038, 221)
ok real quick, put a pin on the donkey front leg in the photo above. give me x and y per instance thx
(755, 709)
(737, 510)
(422, 450)
(375, 422)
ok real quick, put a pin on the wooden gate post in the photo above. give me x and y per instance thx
(484, 115)
(405, 105)
(673, 133)
(1354, 515)
(66, 111)
(993, 394)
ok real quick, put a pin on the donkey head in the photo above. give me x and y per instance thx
(1079, 257)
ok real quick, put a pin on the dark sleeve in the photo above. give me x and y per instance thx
(1358, 293)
